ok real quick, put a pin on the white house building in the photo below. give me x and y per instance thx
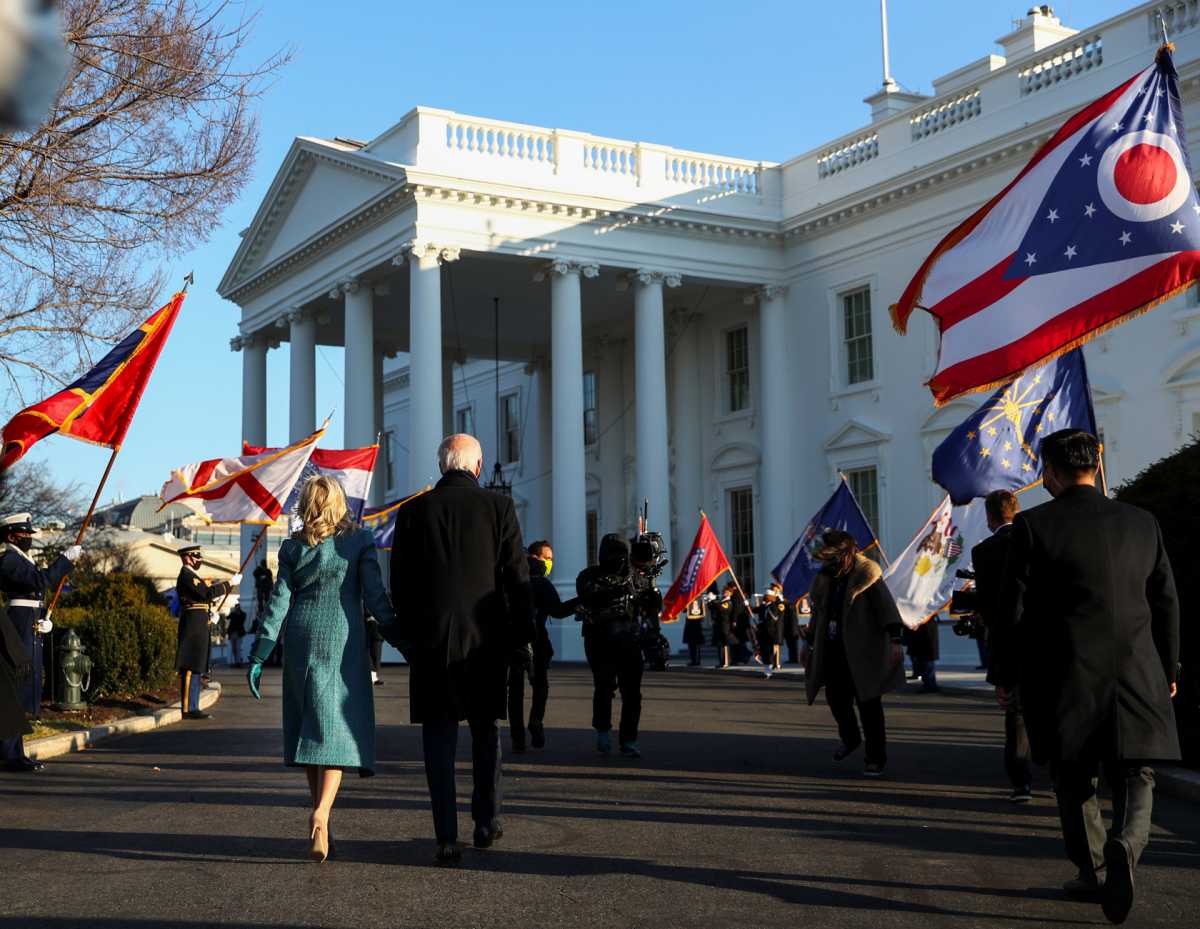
(698, 331)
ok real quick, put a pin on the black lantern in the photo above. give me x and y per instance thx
(498, 484)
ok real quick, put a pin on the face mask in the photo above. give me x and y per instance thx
(547, 566)
(23, 542)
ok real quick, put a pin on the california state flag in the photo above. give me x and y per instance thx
(249, 489)
(703, 565)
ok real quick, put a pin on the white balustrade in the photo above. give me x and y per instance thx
(607, 157)
(848, 154)
(1179, 16)
(1079, 56)
(946, 113)
(498, 140)
(698, 171)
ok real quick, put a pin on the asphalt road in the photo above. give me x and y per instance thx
(736, 817)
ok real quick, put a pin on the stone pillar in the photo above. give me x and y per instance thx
(254, 431)
(653, 474)
(425, 359)
(359, 362)
(379, 488)
(775, 428)
(568, 476)
(302, 406)
(685, 430)
(448, 395)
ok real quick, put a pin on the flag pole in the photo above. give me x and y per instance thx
(246, 561)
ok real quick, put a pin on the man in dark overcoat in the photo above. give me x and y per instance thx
(26, 587)
(196, 599)
(458, 557)
(1090, 632)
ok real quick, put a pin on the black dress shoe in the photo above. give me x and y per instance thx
(1116, 897)
(23, 765)
(844, 751)
(197, 714)
(1084, 887)
(487, 836)
(448, 854)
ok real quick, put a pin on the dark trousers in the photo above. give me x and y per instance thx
(1132, 786)
(694, 653)
(539, 687)
(12, 749)
(376, 650)
(842, 698)
(189, 691)
(793, 654)
(1016, 749)
(616, 663)
(440, 742)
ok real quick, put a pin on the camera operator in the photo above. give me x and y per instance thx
(620, 607)
(1088, 626)
(988, 559)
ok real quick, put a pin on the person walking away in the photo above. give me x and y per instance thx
(693, 631)
(196, 598)
(857, 656)
(458, 555)
(546, 604)
(1089, 633)
(924, 650)
(236, 631)
(989, 559)
(326, 571)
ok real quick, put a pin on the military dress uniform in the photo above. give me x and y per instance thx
(24, 586)
(772, 615)
(196, 597)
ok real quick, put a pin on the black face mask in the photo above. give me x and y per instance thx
(23, 542)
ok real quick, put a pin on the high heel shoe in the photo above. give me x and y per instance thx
(319, 850)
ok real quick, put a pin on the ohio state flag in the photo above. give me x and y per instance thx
(703, 565)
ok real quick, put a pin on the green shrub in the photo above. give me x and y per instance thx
(158, 635)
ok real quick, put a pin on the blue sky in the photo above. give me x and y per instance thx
(762, 79)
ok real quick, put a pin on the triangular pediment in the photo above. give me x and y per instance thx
(855, 434)
(1185, 371)
(945, 418)
(318, 183)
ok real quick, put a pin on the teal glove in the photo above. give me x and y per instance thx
(253, 676)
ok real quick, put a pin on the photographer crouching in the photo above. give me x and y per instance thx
(620, 607)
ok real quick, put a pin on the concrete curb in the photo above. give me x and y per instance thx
(54, 745)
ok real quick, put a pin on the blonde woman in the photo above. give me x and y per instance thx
(327, 571)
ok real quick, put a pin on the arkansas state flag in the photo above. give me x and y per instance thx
(1102, 224)
(99, 406)
(703, 565)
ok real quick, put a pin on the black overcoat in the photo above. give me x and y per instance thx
(989, 559)
(196, 597)
(14, 666)
(461, 585)
(1089, 603)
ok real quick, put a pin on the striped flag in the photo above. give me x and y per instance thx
(1103, 223)
(350, 467)
(250, 489)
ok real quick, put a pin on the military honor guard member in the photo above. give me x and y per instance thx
(772, 615)
(25, 587)
(196, 598)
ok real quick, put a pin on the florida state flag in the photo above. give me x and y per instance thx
(703, 565)
(99, 406)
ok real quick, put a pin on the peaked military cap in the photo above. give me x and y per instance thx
(16, 522)
(189, 550)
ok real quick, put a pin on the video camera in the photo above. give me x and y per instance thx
(965, 605)
(648, 554)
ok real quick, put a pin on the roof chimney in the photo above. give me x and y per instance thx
(1039, 29)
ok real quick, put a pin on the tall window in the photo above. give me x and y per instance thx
(464, 420)
(510, 428)
(856, 336)
(864, 484)
(386, 465)
(737, 369)
(741, 531)
(593, 538)
(591, 431)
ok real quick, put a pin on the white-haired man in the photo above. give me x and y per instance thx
(458, 556)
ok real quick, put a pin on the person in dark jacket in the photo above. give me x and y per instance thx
(546, 604)
(693, 631)
(1089, 630)
(236, 630)
(14, 668)
(855, 638)
(772, 615)
(989, 559)
(724, 613)
(458, 556)
(924, 651)
(196, 600)
(791, 632)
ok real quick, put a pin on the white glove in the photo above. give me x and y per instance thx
(73, 553)
(235, 580)
(213, 617)
(44, 626)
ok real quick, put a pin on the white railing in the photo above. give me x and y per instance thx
(519, 143)
(1179, 16)
(943, 115)
(848, 154)
(1081, 55)
(730, 176)
(611, 158)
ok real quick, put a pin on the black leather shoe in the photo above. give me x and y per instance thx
(23, 765)
(1083, 887)
(1116, 898)
(197, 714)
(537, 735)
(448, 854)
(487, 836)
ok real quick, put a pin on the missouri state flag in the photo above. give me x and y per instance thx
(350, 467)
(704, 564)
(1103, 223)
(99, 406)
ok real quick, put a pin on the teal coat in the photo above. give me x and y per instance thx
(317, 606)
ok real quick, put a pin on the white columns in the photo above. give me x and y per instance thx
(568, 478)
(447, 395)
(775, 426)
(685, 429)
(379, 488)
(359, 377)
(653, 480)
(425, 359)
(302, 406)
(254, 431)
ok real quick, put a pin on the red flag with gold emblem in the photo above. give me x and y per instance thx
(703, 565)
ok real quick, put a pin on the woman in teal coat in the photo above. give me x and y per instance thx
(326, 572)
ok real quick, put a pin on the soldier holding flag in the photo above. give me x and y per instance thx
(196, 598)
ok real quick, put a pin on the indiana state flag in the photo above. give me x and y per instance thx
(799, 567)
(998, 447)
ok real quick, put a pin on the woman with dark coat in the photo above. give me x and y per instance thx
(855, 636)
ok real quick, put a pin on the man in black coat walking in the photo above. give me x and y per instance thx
(1090, 631)
(458, 557)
